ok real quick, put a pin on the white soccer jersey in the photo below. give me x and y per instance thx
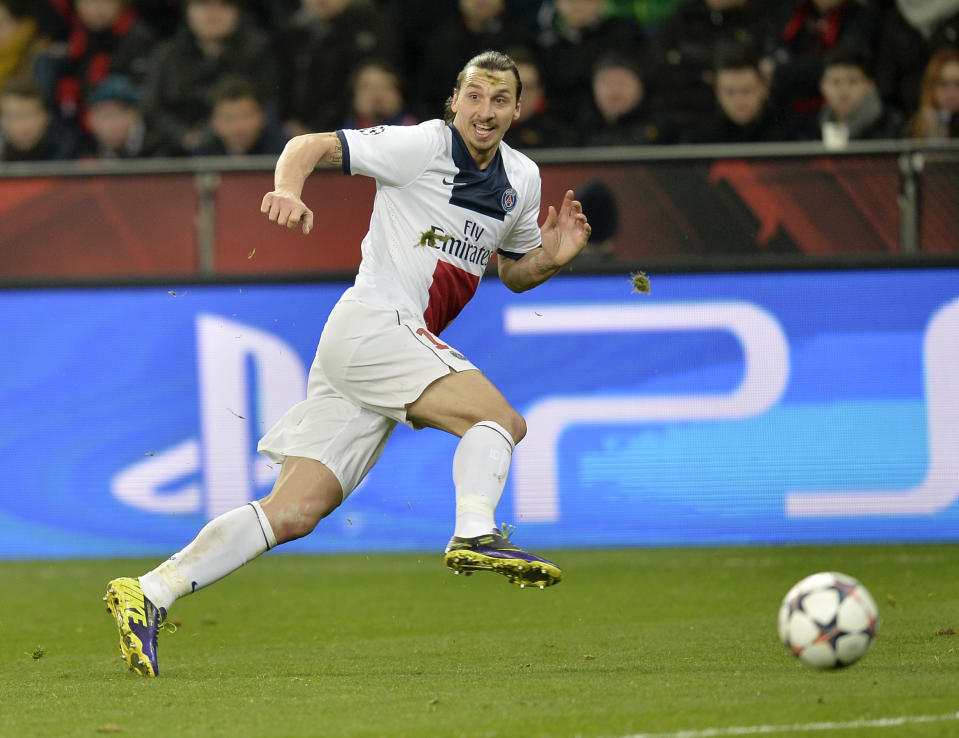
(437, 217)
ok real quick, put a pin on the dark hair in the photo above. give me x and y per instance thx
(235, 87)
(524, 55)
(384, 65)
(616, 60)
(729, 56)
(24, 88)
(599, 205)
(850, 55)
(17, 8)
(493, 61)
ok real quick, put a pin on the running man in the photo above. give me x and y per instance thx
(449, 195)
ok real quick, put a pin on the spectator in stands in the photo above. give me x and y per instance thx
(912, 32)
(479, 25)
(619, 114)
(105, 38)
(52, 17)
(319, 49)
(272, 15)
(810, 30)
(853, 109)
(744, 112)
(117, 128)
(162, 16)
(679, 65)
(378, 97)
(216, 41)
(572, 40)
(21, 42)
(536, 127)
(239, 123)
(938, 115)
(648, 13)
(416, 20)
(28, 131)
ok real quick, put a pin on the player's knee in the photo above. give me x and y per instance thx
(297, 521)
(516, 425)
(296, 524)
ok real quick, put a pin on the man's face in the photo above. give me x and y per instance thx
(825, 6)
(376, 95)
(98, 15)
(212, 20)
(578, 14)
(532, 89)
(947, 88)
(238, 123)
(112, 122)
(616, 90)
(724, 4)
(845, 88)
(480, 11)
(9, 26)
(741, 94)
(484, 107)
(325, 9)
(23, 121)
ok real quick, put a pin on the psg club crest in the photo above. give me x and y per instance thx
(509, 199)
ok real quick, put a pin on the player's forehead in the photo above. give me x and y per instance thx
(489, 80)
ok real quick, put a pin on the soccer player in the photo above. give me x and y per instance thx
(449, 195)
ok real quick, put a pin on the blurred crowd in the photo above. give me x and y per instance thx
(139, 78)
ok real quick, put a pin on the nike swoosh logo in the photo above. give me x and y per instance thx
(451, 183)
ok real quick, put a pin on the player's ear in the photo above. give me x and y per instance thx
(454, 99)
(516, 112)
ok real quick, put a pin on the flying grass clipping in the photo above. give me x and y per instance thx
(640, 282)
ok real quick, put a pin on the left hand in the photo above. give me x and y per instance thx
(565, 233)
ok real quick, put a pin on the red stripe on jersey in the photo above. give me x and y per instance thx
(451, 289)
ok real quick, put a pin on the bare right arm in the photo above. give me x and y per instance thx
(300, 157)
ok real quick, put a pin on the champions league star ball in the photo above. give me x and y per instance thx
(828, 620)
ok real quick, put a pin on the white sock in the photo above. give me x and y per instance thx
(480, 466)
(223, 545)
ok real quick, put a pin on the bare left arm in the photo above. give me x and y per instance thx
(564, 234)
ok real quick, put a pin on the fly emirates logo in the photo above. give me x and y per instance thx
(463, 246)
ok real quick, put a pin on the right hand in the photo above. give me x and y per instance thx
(286, 209)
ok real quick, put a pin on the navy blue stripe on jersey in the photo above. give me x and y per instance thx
(483, 191)
(346, 152)
(510, 254)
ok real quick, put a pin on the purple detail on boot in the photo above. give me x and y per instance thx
(515, 553)
(148, 633)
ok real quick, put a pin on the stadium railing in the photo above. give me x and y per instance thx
(679, 208)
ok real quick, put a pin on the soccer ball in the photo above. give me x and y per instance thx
(828, 620)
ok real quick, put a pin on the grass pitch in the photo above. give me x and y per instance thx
(632, 642)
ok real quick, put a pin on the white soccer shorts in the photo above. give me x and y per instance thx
(369, 365)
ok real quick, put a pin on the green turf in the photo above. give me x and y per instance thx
(394, 645)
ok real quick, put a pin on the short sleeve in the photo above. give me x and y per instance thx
(393, 155)
(525, 235)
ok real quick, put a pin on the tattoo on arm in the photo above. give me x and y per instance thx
(336, 155)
